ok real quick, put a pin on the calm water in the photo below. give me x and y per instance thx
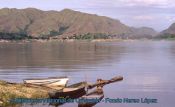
(148, 67)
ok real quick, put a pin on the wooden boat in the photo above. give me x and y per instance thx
(79, 90)
(48, 82)
(91, 98)
(73, 91)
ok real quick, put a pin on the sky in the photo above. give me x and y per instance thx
(158, 14)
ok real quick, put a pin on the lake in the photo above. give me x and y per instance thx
(148, 67)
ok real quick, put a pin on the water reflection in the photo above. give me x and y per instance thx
(56, 54)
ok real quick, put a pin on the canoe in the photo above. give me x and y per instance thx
(49, 82)
(92, 98)
(73, 91)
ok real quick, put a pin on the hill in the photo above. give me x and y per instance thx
(34, 23)
(168, 33)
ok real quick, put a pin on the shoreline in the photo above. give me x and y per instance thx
(73, 40)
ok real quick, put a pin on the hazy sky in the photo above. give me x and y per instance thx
(158, 14)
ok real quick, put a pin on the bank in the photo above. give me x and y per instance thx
(10, 91)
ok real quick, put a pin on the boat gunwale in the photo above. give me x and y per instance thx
(45, 78)
(79, 86)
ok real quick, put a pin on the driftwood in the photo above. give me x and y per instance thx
(101, 82)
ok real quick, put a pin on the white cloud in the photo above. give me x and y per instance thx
(170, 18)
(120, 3)
(147, 2)
(143, 17)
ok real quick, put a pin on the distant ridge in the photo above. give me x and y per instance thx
(170, 30)
(168, 33)
(35, 23)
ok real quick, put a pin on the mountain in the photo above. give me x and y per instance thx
(170, 30)
(168, 33)
(34, 23)
(142, 32)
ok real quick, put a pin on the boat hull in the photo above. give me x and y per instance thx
(49, 82)
(79, 90)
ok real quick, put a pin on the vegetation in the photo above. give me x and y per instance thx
(56, 33)
(167, 36)
(23, 35)
(13, 36)
(91, 36)
(10, 91)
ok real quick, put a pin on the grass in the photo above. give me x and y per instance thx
(10, 91)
